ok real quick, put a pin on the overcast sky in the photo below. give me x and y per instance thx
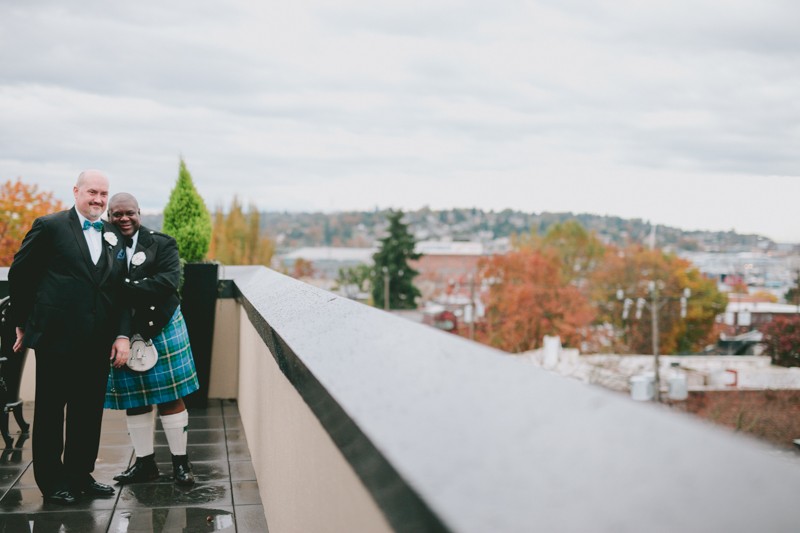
(684, 113)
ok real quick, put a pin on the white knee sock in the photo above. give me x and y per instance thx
(175, 427)
(141, 428)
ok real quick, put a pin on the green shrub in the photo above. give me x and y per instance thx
(187, 219)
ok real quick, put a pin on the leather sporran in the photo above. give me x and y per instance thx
(143, 354)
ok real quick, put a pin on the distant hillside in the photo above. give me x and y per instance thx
(294, 230)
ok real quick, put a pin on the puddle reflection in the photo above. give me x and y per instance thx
(11, 456)
(73, 522)
(173, 520)
(158, 494)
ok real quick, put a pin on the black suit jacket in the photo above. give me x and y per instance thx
(151, 287)
(63, 301)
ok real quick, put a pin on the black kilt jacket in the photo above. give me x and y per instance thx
(151, 287)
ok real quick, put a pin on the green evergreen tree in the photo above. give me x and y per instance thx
(187, 219)
(391, 261)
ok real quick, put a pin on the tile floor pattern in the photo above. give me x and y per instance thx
(224, 499)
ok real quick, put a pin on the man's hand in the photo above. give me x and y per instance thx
(18, 343)
(120, 351)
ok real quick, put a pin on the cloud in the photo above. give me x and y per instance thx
(546, 105)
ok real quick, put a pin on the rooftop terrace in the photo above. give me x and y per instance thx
(225, 497)
(357, 420)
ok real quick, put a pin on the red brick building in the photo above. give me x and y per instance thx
(446, 267)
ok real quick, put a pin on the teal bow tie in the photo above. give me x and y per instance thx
(96, 225)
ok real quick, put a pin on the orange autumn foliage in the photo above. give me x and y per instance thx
(20, 205)
(528, 299)
(302, 268)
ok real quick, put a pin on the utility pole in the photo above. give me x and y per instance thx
(654, 305)
(797, 290)
(472, 307)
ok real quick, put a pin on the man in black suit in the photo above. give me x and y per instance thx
(64, 284)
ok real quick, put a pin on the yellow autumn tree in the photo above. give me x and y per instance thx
(237, 238)
(629, 272)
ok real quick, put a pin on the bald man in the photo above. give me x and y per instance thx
(64, 284)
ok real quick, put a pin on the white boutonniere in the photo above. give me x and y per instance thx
(138, 258)
(110, 238)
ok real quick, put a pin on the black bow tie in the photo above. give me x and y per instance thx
(128, 241)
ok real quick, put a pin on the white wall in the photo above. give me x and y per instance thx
(305, 482)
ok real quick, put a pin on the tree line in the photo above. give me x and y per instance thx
(362, 228)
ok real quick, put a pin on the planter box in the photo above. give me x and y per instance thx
(198, 304)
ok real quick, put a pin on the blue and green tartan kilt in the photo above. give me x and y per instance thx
(172, 377)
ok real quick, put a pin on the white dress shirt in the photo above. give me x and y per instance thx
(93, 238)
(129, 251)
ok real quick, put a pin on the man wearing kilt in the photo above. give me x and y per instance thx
(151, 288)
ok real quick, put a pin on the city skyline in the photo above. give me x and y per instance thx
(682, 114)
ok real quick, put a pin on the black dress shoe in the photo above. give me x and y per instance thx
(62, 497)
(142, 471)
(182, 470)
(95, 488)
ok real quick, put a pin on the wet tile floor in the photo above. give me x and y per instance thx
(225, 497)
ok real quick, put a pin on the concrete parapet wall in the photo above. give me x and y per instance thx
(306, 483)
(448, 435)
